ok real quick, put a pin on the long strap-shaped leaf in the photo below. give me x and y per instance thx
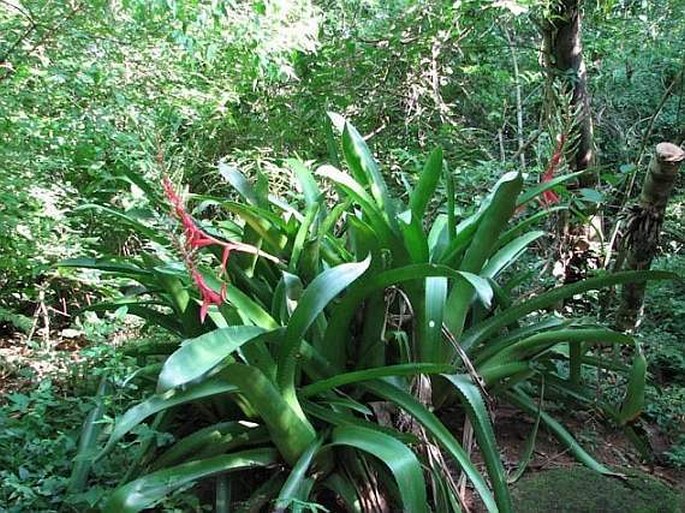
(428, 181)
(508, 254)
(160, 402)
(212, 440)
(402, 462)
(531, 346)
(521, 400)
(534, 192)
(431, 346)
(353, 189)
(290, 430)
(482, 427)
(365, 169)
(403, 369)
(480, 332)
(293, 485)
(199, 355)
(315, 298)
(88, 440)
(141, 228)
(634, 401)
(440, 433)
(480, 248)
(146, 491)
(337, 327)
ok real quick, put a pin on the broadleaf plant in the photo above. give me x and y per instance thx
(333, 308)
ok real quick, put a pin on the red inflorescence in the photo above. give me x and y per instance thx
(194, 239)
(550, 197)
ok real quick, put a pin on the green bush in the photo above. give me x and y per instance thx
(332, 307)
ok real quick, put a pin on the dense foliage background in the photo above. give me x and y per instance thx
(101, 99)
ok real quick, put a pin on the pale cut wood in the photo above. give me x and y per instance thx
(644, 226)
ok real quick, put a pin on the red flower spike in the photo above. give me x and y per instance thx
(224, 258)
(209, 296)
(550, 197)
(194, 239)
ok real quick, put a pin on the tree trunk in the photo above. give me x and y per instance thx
(563, 56)
(644, 227)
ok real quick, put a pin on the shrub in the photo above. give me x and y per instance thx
(333, 308)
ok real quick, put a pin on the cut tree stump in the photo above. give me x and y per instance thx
(644, 226)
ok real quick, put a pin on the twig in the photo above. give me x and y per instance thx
(42, 40)
(519, 103)
(648, 133)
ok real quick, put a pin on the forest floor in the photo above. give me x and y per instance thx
(23, 366)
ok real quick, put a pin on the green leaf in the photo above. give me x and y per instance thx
(634, 401)
(263, 222)
(345, 490)
(249, 310)
(428, 181)
(415, 240)
(431, 346)
(525, 224)
(233, 176)
(87, 444)
(507, 255)
(365, 170)
(139, 227)
(211, 440)
(483, 330)
(403, 369)
(145, 312)
(342, 316)
(438, 238)
(290, 430)
(402, 462)
(310, 189)
(592, 196)
(356, 191)
(440, 433)
(198, 356)
(316, 296)
(540, 342)
(529, 448)
(146, 491)
(302, 234)
(534, 192)
(112, 265)
(482, 427)
(293, 484)
(521, 400)
(159, 402)
(495, 218)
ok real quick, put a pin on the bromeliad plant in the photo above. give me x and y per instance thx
(334, 309)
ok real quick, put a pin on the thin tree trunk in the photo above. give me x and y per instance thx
(563, 55)
(644, 227)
